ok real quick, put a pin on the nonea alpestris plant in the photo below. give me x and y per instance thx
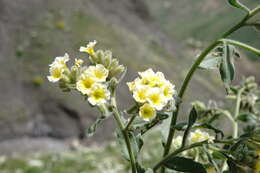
(200, 146)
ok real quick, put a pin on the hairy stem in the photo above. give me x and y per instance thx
(130, 122)
(242, 45)
(120, 124)
(236, 113)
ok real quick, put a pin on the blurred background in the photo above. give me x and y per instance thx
(36, 118)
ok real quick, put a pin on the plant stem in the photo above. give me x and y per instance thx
(242, 45)
(166, 158)
(236, 113)
(130, 122)
(234, 121)
(193, 69)
(120, 124)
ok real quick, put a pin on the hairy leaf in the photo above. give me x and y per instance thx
(136, 143)
(211, 63)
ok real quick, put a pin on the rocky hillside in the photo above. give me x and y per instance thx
(33, 32)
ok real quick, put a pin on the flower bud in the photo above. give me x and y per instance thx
(119, 69)
(250, 79)
(114, 64)
(113, 83)
(107, 59)
(97, 57)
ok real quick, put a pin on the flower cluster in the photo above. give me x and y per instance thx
(152, 92)
(91, 81)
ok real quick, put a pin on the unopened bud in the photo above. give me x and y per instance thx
(250, 79)
(107, 59)
(119, 69)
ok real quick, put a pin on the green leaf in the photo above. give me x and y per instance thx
(218, 155)
(237, 4)
(136, 143)
(192, 117)
(92, 129)
(122, 145)
(180, 126)
(227, 68)
(245, 117)
(184, 165)
(211, 63)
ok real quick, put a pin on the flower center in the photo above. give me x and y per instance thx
(99, 74)
(56, 73)
(155, 98)
(99, 94)
(88, 83)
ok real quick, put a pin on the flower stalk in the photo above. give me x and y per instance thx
(124, 131)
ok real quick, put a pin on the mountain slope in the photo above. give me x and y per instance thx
(34, 32)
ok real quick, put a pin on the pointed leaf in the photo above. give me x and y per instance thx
(184, 165)
(237, 4)
(227, 68)
(192, 117)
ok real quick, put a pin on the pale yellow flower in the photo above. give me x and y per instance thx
(140, 94)
(99, 94)
(147, 112)
(99, 72)
(156, 98)
(62, 60)
(56, 72)
(168, 90)
(89, 48)
(147, 73)
(199, 136)
(78, 62)
(133, 85)
(149, 77)
(85, 83)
